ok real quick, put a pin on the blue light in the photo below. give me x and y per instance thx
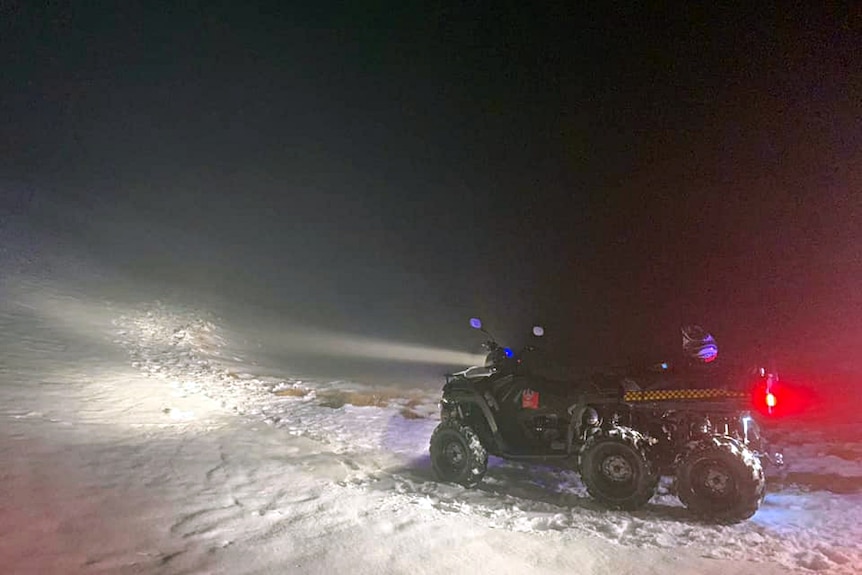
(663, 365)
(508, 352)
(475, 323)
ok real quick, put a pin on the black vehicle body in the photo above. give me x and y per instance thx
(622, 430)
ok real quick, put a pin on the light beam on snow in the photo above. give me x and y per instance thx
(92, 325)
(81, 316)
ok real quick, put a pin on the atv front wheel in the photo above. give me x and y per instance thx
(616, 471)
(720, 479)
(457, 455)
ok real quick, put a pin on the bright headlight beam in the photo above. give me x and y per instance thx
(358, 347)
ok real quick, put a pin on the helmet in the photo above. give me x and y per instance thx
(698, 345)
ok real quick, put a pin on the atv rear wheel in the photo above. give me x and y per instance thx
(616, 471)
(720, 479)
(457, 455)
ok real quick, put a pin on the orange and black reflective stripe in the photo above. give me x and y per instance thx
(672, 394)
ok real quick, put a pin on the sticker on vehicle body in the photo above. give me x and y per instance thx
(530, 399)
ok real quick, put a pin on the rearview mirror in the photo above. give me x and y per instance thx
(475, 323)
(538, 331)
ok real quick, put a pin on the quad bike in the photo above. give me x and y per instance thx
(618, 429)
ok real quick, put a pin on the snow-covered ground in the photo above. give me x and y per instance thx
(146, 436)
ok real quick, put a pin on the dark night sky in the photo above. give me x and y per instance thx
(389, 169)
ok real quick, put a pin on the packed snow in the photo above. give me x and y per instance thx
(154, 436)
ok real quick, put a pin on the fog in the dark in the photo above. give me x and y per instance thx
(387, 172)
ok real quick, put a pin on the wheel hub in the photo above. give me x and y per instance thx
(717, 481)
(617, 469)
(454, 454)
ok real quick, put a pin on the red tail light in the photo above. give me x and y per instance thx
(777, 398)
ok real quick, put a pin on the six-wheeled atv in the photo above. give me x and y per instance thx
(619, 430)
